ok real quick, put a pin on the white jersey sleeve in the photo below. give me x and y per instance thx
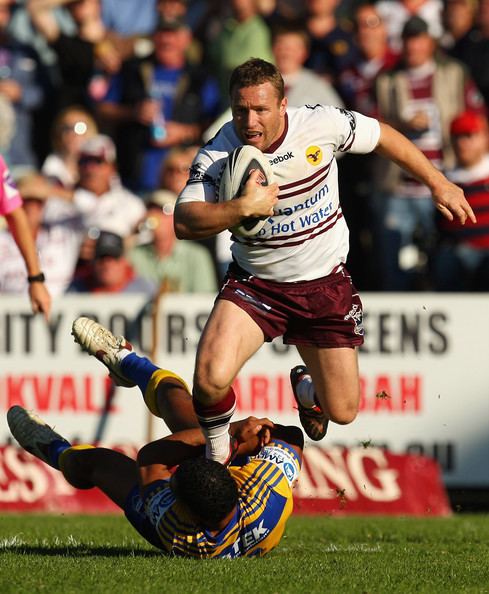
(207, 167)
(356, 133)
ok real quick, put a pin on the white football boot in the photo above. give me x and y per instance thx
(96, 340)
(32, 433)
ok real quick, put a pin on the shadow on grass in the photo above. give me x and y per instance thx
(79, 551)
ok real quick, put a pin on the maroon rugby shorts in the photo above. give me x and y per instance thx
(325, 312)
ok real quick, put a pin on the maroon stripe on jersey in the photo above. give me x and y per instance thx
(267, 240)
(348, 142)
(312, 236)
(275, 145)
(306, 179)
(306, 189)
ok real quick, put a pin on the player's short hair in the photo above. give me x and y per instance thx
(206, 488)
(254, 72)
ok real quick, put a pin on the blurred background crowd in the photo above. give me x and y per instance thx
(104, 104)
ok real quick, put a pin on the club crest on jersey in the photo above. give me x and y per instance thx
(314, 155)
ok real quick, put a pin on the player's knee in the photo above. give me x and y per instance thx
(343, 416)
(211, 384)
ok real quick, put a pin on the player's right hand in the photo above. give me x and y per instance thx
(251, 434)
(258, 200)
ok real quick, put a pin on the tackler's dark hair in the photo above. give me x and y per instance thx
(206, 488)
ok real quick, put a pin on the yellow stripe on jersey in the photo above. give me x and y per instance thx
(264, 506)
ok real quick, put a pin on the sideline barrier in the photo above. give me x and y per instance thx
(335, 481)
(424, 374)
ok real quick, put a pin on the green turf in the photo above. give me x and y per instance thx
(322, 554)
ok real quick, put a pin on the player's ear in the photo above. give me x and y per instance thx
(283, 106)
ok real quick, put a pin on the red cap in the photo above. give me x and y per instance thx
(468, 122)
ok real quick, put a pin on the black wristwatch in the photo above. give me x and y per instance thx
(36, 278)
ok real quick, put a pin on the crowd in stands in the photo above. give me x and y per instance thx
(104, 104)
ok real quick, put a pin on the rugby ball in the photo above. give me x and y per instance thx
(241, 162)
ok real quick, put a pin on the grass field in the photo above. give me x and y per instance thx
(322, 554)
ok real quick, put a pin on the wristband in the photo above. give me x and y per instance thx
(36, 278)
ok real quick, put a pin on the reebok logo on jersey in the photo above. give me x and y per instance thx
(281, 158)
(314, 155)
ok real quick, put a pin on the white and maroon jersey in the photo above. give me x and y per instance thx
(474, 181)
(307, 236)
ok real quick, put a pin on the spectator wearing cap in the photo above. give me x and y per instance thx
(99, 196)
(110, 271)
(184, 266)
(159, 102)
(462, 259)
(419, 97)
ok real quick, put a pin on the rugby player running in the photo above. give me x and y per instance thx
(290, 279)
(200, 508)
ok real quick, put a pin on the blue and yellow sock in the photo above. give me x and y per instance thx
(55, 449)
(147, 376)
(138, 369)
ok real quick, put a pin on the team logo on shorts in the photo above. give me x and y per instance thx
(356, 315)
(314, 155)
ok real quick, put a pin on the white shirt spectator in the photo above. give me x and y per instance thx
(118, 210)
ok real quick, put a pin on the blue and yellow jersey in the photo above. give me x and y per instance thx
(264, 506)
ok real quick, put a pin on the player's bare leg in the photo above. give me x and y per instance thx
(335, 384)
(229, 339)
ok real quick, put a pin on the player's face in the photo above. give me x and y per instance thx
(258, 114)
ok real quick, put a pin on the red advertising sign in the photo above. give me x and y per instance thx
(335, 481)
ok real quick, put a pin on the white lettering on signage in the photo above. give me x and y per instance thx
(337, 470)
